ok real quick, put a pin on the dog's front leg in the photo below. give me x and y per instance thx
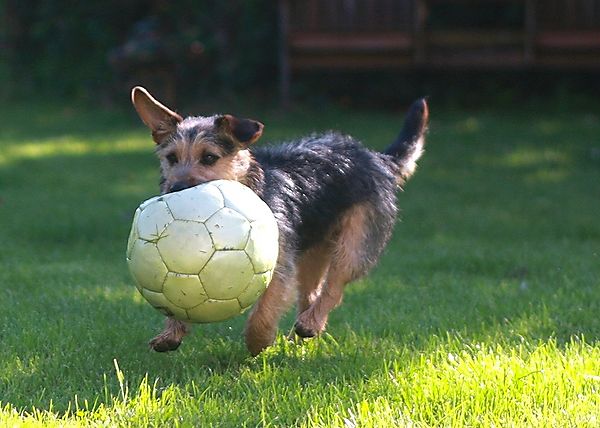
(172, 335)
(261, 327)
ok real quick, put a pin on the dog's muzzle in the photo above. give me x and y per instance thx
(180, 185)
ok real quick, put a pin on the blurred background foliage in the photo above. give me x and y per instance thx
(63, 48)
(58, 49)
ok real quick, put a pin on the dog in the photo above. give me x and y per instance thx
(334, 201)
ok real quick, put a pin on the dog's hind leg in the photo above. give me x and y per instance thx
(312, 269)
(313, 320)
(172, 335)
(348, 262)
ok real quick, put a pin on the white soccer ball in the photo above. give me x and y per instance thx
(203, 254)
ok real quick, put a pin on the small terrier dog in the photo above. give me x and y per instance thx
(334, 201)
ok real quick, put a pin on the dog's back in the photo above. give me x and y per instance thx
(311, 182)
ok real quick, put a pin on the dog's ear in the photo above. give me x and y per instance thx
(244, 131)
(161, 120)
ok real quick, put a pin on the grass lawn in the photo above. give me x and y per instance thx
(482, 312)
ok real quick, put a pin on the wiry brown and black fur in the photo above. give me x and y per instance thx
(334, 201)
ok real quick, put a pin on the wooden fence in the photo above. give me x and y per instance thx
(430, 34)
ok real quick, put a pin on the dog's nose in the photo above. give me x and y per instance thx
(179, 185)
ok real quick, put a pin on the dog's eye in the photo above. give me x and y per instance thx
(172, 158)
(209, 159)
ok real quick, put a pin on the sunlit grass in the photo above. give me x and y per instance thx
(451, 384)
(72, 146)
(482, 311)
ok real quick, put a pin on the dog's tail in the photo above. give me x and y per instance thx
(408, 146)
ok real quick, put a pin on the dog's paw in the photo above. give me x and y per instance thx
(257, 348)
(304, 331)
(308, 326)
(258, 340)
(164, 344)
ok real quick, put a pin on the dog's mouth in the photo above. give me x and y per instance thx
(179, 186)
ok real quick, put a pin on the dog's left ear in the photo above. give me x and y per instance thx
(244, 131)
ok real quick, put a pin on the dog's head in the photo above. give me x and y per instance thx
(196, 149)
